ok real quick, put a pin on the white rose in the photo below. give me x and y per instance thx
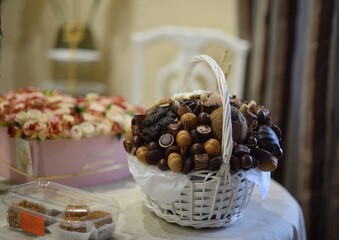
(88, 117)
(88, 129)
(115, 116)
(62, 110)
(34, 114)
(68, 118)
(95, 106)
(21, 117)
(103, 127)
(76, 132)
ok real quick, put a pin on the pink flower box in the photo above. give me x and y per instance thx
(76, 163)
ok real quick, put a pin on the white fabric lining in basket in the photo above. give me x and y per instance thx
(208, 203)
(208, 199)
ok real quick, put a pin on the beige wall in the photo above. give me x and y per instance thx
(30, 27)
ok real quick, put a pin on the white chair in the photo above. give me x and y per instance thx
(190, 42)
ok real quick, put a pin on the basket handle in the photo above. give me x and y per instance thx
(227, 140)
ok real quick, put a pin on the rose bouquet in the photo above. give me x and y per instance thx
(31, 113)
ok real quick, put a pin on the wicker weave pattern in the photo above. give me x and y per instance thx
(210, 199)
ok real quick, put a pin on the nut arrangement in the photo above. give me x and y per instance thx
(184, 134)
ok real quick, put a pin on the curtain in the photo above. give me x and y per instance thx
(293, 71)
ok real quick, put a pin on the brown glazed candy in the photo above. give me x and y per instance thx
(197, 148)
(204, 118)
(162, 164)
(171, 149)
(212, 147)
(153, 146)
(239, 125)
(201, 161)
(175, 127)
(195, 136)
(214, 163)
(251, 142)
(270, 165)
(137, 141)
(188, 166)
(209, 107)
(246, 161)
(261, 154)
(235, 163)
(240, 149)
(175, 162)
(154, 156)
(182, 109)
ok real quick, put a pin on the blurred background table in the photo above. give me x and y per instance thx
(277, 217)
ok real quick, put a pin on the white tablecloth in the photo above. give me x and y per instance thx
(278, 217)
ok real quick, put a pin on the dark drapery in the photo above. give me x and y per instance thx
(293, 70)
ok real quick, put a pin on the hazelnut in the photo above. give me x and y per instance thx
(142, 154)
(184, 139)
(189, 120)
(212, 147)
(175, 162)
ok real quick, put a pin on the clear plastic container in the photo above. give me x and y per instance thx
(49, 210)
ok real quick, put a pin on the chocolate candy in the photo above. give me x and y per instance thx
(214, 163)
(261, 154)
(239, 125)
(172, 149)
(270, 165)
(235, 163)
(175, 127)
(162, 164)
(204, 132)
(240, 149)
(188, 166)
(251, 142)
(267, 139)
(246, 161)
(166, 140)
(201, 161)
(154, 156)
(204, 118)
(153, 145)
(137, 141)
(197, 148)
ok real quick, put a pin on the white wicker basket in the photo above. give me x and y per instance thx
(209, 199)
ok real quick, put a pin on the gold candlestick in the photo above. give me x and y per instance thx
(73, 34)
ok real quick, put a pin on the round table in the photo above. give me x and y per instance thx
(279, 216)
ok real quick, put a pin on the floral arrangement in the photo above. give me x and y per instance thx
(30, 113)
